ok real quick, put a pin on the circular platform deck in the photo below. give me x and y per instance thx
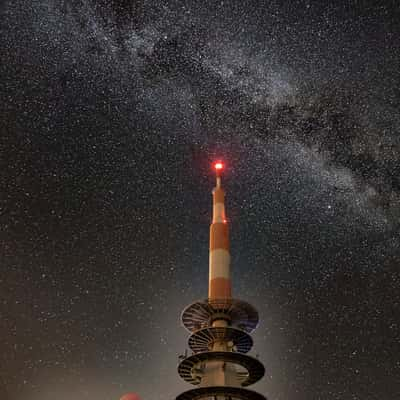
(230, 393)
(203, 339)
(190, 368)
(238, 313)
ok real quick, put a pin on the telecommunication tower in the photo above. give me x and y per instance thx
(220, 326)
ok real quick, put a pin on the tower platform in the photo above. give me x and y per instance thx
(203, 339)
(217, 392)
(203, 313)
(190, 369)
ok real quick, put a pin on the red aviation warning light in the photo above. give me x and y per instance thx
(218, 166)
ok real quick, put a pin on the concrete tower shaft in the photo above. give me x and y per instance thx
(219, 263)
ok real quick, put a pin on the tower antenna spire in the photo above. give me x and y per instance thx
(219, 166)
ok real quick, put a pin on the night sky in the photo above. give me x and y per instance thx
(111, 113)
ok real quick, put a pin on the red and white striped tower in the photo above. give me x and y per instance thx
(220, 326)
(220, 277)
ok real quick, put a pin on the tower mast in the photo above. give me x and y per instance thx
(219, 285)
(220, 325)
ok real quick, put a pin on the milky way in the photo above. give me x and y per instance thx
(111, 112)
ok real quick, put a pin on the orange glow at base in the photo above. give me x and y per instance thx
(218, 166)
(130, 396)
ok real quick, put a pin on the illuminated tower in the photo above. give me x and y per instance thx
(220, 325)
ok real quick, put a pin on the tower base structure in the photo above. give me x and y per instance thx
(220, 338)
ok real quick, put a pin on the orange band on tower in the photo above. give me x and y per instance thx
(219, 236)
(219, 288)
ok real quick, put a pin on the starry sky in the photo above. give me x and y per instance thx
(111, 113)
